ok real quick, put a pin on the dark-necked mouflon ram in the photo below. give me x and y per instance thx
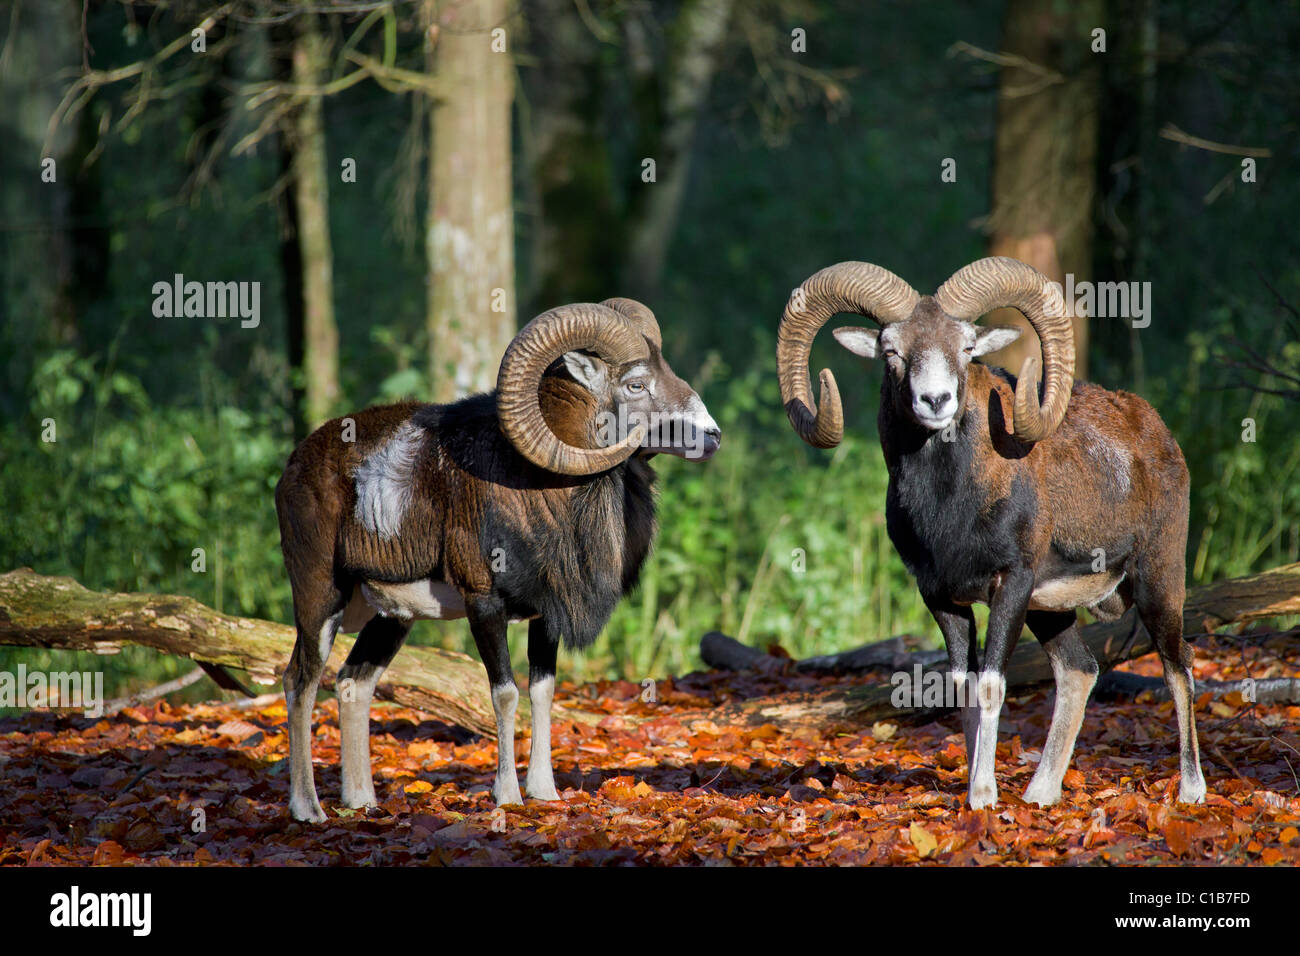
(534, 503)
(1033, 501)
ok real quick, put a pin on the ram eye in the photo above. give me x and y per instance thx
(891, 353)
(636, 386)
(969, 350)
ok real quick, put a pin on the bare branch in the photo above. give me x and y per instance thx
(1171, 132)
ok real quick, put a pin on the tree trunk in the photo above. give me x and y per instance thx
(469, 240)
(1044, 176)
(320, 338)
(55, 261)
(1212, 606)
(696, 34)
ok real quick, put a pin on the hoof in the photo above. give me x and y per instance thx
(1042, 794)
(307, 812)
(362, 798)
(507, 796)
(1191, 791)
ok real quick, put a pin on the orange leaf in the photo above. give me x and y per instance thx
(1180, 834)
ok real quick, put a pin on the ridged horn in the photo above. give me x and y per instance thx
(859, 287)
(996, 282)
(585, 325)
(642, 319)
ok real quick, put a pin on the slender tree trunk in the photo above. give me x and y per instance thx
(320, 342)
(1044, 176)
(695, 37)
(470, 234)
(306, 256)
(1148, 17)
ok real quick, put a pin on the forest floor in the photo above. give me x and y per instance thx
(659, 783)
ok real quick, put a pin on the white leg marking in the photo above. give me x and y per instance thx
(303, 804)
(354, 742)
(329, 630)
(505, 698)
(540, 782)
(983, 783)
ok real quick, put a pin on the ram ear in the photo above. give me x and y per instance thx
(859, 341)
(587, 370)
(992, 338)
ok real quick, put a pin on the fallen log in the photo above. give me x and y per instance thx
(1207, 608)
(1266, 690)
(721, 652)
(57, 612)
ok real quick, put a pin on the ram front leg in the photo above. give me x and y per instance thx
(1006, 620)
(487, 622)
(957, 623)
(542, 647)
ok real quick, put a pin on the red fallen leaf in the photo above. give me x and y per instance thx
(1073, 779)
(1181, 836)
(619, 788)
(108, 853)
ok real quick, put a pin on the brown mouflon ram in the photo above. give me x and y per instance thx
(534, 502)
(1035, 505)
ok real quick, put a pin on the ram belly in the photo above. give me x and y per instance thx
(423, 600)
(1074, 591)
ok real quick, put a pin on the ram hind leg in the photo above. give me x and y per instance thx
(1160, 603)
(487, 622)
(375, 647)
(1075, 670)
(318, 622)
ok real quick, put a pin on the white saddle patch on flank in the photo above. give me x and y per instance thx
(385, 481)
(1075, 591)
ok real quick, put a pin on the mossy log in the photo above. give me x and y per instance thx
(59, 613)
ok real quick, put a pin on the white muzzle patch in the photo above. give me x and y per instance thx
(934, 390)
